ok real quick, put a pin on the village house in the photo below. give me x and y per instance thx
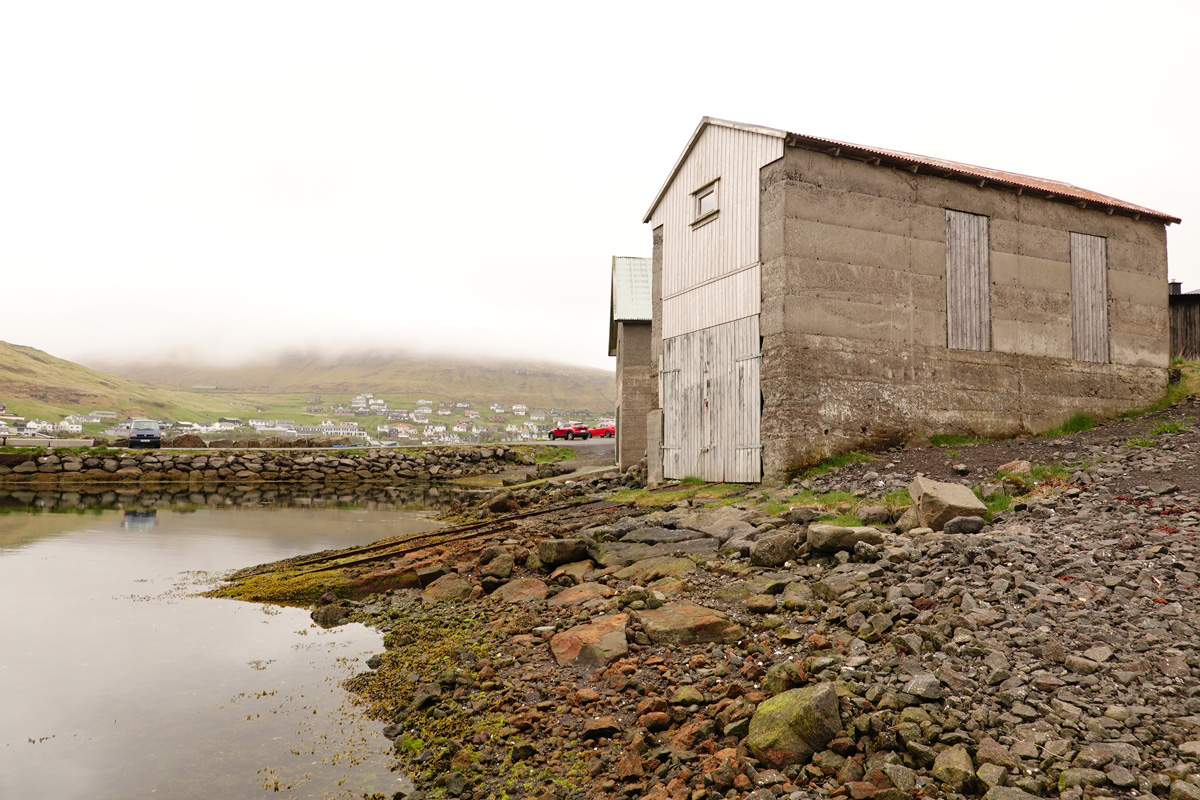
(470, 414)
(812, 296)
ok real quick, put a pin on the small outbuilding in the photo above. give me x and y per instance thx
(1185, 323)
(629, 323)
(812, 296)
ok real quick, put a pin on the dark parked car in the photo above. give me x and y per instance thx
(145, 433)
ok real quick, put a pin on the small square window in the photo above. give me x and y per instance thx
(706, 203)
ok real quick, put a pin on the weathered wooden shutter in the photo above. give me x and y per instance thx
(1089, 297)
(746, 466)
(968, 303)
(673, 413)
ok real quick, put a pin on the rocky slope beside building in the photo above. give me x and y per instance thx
(743, 647)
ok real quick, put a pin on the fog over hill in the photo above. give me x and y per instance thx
(386, 372)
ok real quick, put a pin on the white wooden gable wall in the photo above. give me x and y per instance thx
(711, 289)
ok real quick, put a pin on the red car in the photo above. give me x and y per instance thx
(604, 431)
(570, 432)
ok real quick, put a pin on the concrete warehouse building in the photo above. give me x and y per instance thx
(812, 296)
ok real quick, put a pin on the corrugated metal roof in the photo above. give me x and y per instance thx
(1057, 191)
(631, 299)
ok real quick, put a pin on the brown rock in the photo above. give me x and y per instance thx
(189, 440)
(593, 644)
(522, 590)
(448, 587)
(629, 768)
(581, 594)
(600, 727)
(683, 622)
(655, 721)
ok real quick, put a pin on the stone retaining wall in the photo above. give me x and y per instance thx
(349, 467)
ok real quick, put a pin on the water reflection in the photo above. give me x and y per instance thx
(139, 520)
(118, 682)
(401, 497)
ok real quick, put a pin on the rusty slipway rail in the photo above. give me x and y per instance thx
(438, 537)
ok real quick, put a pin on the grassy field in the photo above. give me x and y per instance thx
(35, 384)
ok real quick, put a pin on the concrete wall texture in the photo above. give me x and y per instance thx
(637, 379)
(854, 311)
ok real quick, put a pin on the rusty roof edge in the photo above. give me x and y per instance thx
(1012, 179)
(705, 122)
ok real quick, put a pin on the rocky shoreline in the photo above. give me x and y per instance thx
(726, 642)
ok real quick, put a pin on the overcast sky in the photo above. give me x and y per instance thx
(219, 180)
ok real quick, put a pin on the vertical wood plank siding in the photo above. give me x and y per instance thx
(712, 295)
(1089, 298)
(1185, 326)
(968, 303)
(711, 404)
(728, 244)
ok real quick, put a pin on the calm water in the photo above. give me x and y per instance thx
(116, 683)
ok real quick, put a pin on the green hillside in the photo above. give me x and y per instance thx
(35, 384)
(392, 374)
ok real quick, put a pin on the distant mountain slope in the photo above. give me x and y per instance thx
(37, 384)
(537, 385)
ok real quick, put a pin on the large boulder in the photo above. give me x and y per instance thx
(831, 538)
(448, 587)
(937, 503)
(593, 644)
(684, 622)
(788, 728)
(553, 552)
(773, 551)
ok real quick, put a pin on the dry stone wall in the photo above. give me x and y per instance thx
(288, 466)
